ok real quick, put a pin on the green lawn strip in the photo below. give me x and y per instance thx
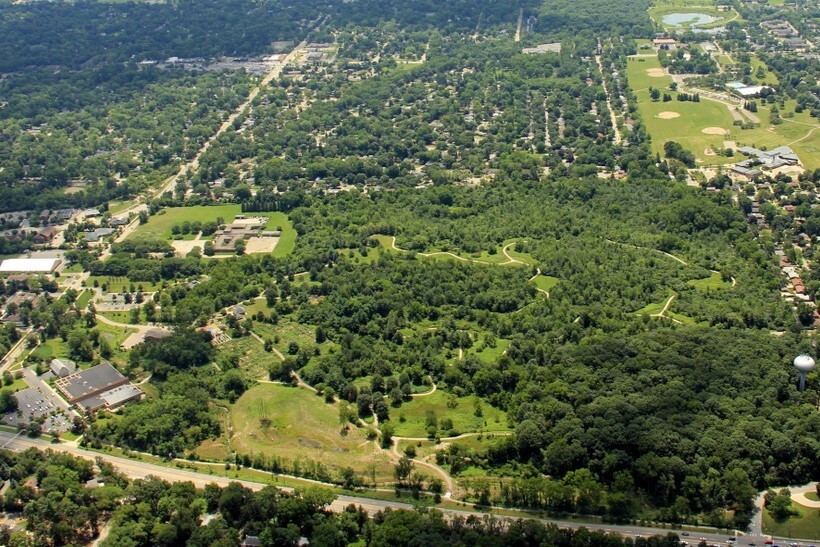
(812, 496)
(116, 207)
(410, 419)
(122, 316)
(806, 525)
(121, 284)
(84, 299)
(490, 354)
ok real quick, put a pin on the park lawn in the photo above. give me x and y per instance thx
(545, 282)
(770, 78)
(116, 207)
(287, 241)
(685, 319)
(687, 128)
(812, 496)
(159, 225)
(52, 348)
(17, 384)
(794, 132)
(653, 308)
(805, 526)
(122, 284)
(373, 255)
(302, 426)
(491, 354)
(714, 281)
(414, 414)
(253, 360)
(74, 268)
(122, 316)
(84, 299)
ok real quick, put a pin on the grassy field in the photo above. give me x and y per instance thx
(254, 360)
(116, 207)
(83, 299)
(687, 128)
(653, 308)
(714, 281)
(812, 496)
(410, 419)
(121, 284)
(293, 423)
(546, 282)
(806, 526)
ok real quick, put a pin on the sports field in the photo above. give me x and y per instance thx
(707, 125)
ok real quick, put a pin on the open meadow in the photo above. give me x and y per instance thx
(292, 424)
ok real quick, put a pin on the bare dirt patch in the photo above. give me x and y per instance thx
(183, 247)
(655, 72)
(709, 152)
(714, 131)
(730, 144)
(668, 115)
(261, 244)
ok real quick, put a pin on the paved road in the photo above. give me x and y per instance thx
(137, 469)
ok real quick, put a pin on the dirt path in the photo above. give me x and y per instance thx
(437, 253)
(272, 349)
(804, 137)
(520, 22)
(510, 259)
(673, 257)
(617, 139)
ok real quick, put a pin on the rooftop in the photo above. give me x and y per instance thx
(29, 265)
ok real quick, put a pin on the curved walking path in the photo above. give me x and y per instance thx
(799, 495)
(436, 253)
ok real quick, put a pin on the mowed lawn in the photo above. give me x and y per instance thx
(302, 426)
(159, 225)
(410, 419)
(687, 128)
(805, 526)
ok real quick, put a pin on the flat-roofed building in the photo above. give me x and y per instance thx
(29, 265)
(101, 386)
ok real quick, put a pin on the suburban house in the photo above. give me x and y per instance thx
(46, 234)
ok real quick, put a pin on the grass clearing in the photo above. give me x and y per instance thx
(122, 284)
(253, 360)
(806, 525)
(84, 299)
(293, 423)
(463, 416)
(545, 282)
(159, 226)
(713, 282)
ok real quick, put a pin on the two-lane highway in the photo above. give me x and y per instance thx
(138, 469)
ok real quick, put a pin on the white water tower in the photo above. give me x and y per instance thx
(804, 364)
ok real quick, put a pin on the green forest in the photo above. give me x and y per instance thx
(491, 226)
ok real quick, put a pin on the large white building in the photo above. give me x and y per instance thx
(29, 265)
